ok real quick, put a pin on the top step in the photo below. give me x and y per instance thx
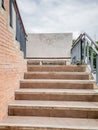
(48, 61)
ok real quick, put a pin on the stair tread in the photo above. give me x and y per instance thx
(72, 73)
(56, 104)
(59, 91)
(50, 122)
(57, 80)
(58, 66)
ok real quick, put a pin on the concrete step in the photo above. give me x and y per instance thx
(56, 75)
(56, 68)
(57, 95)
(48, 123)
(47, 62)
(57, 84)
(54, 109)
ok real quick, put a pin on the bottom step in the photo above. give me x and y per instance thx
(44, 123)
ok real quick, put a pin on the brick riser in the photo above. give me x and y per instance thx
(56, 76)
(56, 97)
(56, 85)
(57, 68)
(52, 112)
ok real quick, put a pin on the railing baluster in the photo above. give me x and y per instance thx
(97, 69)
(87, 53)
(79, 51)
(84, 50)
(92, 61)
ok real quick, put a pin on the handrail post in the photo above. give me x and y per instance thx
(97, 69)
(81, 50)
(87, 53)
(84, 50)
(92, 61)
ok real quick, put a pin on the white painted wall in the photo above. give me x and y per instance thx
(49, 45)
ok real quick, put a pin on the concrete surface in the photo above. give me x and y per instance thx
(48, 123)
(49, 45)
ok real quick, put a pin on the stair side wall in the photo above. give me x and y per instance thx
(12, 63)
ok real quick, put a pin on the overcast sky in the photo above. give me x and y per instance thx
(60, 16)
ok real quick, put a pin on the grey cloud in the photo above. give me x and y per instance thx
(60, 16)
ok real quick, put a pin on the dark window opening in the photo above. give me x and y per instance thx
(2, 3)
(10, 12)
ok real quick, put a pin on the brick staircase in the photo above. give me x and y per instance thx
(54, 96)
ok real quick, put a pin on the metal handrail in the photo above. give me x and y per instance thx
(80, 38)
(85, 34)
(85, 51)
(77, 40)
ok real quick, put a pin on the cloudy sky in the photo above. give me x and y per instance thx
(60, 16)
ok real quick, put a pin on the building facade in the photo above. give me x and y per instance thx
(12, 53)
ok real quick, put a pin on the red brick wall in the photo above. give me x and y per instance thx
(12, 64)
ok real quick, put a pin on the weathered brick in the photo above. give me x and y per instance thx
(12, 64)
